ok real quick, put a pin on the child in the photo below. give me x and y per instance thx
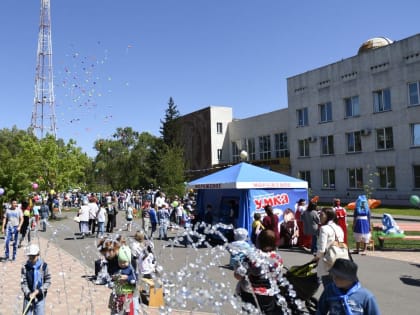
(101, 216)
(257, 227)
(129, 217)
(125, 284)
(239, 248)
(36, 279)
(346, 295)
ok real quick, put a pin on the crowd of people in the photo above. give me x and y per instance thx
(256, 262)
(259, 268)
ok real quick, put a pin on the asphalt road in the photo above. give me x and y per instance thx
(199, 275)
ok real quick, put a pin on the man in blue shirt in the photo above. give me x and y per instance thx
(346, 295)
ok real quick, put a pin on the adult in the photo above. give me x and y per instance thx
(329, 232)
(361, 224)
(303, 240)
(111, 211)
(208, 215)
(346, 295)
(35, 281)
(25, 229)
(93, 211)
(160, 199)
(271, 222)
(12, 222)
(310, 219)
(153, 220)
(341, 216)
(258, 275)
(84, 218)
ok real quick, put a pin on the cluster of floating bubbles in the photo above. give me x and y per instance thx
(186, 268)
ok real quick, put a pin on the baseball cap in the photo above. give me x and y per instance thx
(32, 250)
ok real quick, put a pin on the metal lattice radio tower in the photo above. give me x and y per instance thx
(43, 115)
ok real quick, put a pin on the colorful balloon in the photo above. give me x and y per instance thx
(415, 200)
(1, 191)
(35, 186)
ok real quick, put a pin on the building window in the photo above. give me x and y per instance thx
(249, 146)
(303, 148)
(327, 145)
(355, 178)
(219, 154)
(305, 175)
(219, 127)
(236, 151)
(328, 179)
(325, 112)
(416, 170)
(415, 132)
(352, 106)
(414, 93)
(354, 142)
(280, 145)
(302, 117)
(381, 100)
(265, 147)
(386, 177)
(384, 139)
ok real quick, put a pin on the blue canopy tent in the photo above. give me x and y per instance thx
(251, 188)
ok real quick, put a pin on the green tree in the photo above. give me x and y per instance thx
(171, 172)
(51, 163)
(169, 128)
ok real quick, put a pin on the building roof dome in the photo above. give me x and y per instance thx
(373, 43)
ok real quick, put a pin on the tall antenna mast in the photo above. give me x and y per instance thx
(43, 115)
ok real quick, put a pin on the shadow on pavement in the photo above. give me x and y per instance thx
(410, 281)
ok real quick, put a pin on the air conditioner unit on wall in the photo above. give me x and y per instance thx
(365, 132)
(312, 139)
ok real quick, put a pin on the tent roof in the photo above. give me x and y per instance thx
(246, 176)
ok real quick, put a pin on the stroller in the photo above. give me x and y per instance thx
(305, 282)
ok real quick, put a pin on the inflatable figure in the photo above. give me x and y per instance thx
(389, 225)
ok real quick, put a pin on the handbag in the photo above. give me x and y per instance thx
(336, 250)
(76, 219)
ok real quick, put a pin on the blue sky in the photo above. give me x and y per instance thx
(116, 63)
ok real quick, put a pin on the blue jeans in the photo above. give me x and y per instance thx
(36, 308)
(101, 228)
(11, 231)
(44, 224)
(163, 229)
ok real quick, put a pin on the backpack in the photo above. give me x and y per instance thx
(336, 250)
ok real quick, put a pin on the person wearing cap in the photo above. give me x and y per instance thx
(346, 295)
(35, 281)
(125, 284)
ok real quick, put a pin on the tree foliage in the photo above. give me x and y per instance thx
(51, 163)
(169, 128)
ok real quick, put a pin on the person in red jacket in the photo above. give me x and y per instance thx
(341, 215)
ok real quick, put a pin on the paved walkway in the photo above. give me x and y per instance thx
(72, 292)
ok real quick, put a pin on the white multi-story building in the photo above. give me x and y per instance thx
(351, 127)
